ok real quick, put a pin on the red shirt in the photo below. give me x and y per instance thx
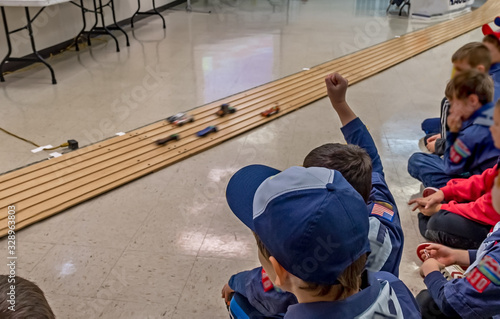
(471, 197)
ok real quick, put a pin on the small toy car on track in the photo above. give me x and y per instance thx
(225, 109)
(271, 111)
(173, 137)
(207, 130)
(180, 119)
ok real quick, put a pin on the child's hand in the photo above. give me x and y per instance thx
(431, 142)
(454, 122)
(443, 254)
(428, 205)
(433, 138)
(431, 146)
(226, 293)
(336, 86)
(427, 211)
(429, 266)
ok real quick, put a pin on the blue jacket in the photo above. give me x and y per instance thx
(386, 235)
(248, 284)
(495, 75)
(471, 151)
(478, 294)
(382, 296)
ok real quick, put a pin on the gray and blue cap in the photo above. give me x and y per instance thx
(310, 219)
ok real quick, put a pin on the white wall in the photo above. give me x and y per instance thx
(59, 23)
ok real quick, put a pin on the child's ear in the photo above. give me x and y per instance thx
(481, 68)
(281, 273)
(474, 100)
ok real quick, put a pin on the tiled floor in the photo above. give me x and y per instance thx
(163, 246)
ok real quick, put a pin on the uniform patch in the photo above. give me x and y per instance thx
(383, 211)
(490, 268)
(478, 280)
(459, 151)
(266, 281)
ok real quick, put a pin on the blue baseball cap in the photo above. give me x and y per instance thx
(310, 219)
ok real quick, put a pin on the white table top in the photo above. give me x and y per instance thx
(30, 3)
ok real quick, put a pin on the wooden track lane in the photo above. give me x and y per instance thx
(46, 188)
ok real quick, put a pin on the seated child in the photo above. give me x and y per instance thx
(354, 161)
(29, 301)
(474, 296)
(473, 55)
(493, 45)
(467, 217)
(313, 242)
(469, 147)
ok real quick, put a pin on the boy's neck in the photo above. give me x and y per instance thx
(335, 294)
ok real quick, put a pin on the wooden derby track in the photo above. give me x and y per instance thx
(49, 187)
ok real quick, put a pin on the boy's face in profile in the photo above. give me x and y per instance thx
(495, 128)
(495, 134)
(463, 108)
(461, 66)
(495, 53)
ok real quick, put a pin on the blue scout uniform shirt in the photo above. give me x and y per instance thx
(471, 151)
(478, 294)
(386, 234)
(495, 75)
(382, 296)
(272, 303)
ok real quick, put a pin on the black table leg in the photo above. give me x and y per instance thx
(117, 27)
(9, 44)
(32, 40)
(37, 57)
(155, 12)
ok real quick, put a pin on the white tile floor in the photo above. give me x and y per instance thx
(163, 246)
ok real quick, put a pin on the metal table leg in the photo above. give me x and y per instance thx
(9, 44)
(155, 12)
(37, 58)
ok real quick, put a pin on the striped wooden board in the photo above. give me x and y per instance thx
(49, 187)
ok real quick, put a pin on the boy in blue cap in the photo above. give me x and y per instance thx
(312, 234)
(360, 164)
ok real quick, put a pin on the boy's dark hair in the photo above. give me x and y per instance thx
(490, 38)
(349, 280)
(350, 160)
(474, 53)
(471, 82)
(30, 301)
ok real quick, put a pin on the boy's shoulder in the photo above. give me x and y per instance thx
(382, 295)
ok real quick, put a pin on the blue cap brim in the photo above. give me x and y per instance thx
(241, 189)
